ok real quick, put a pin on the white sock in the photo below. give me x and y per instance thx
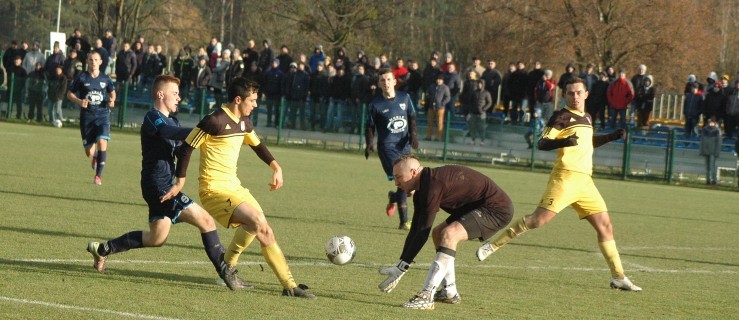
(449, 282)
(437, 271)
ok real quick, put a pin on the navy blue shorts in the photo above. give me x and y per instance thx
(94, 126)
(168, 209)
(388, 155)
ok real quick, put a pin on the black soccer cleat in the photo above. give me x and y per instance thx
(301, 291)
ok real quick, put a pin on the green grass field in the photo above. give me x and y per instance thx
(678, 243)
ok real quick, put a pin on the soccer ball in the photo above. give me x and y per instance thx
(340, 250)
(57, 123)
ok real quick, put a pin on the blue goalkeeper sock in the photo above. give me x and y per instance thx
(101, 155)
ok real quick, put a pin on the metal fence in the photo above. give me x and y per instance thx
(659, 154)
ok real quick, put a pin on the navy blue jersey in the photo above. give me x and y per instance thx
(391, 118)
(95, 90)
(160, 137)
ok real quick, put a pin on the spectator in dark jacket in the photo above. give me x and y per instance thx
(361, 94)
(644, 102)
(201, 76)
(492, 79)
(544, 95)
(597, 101)
(126, 64)
(57, 90)
(319, 95)
(18, 75)
(250, 54)
(273, 79)
(295, 88)
(480, 103)
(318, 57)
(454, 82)
(183, 67)
(517, 91)
(732, 110)
(506, 90)
(692, 109)
(36, 93)
(710, 149)
(266, 56)
(285, 59)
(430, 73)
(532, 79)
(714, 104)
(437, 99)
(340, 89)
(237, 67)
(569, 74)
(414, 83)
(54, 60)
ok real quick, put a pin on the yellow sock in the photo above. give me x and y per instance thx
(610, 252)
(515, 229)
(276, 260)
(240, 241)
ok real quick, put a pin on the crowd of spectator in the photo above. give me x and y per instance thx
(325, 90)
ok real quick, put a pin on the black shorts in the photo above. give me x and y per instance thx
(483, 223)
(168, 209)
(388, 155)
(94, 126)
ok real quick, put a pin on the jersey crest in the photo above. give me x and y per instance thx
(397, 124)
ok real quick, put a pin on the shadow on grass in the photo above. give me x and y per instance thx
(673, 217)
(86, 237)
(630, 255)
(48, 196)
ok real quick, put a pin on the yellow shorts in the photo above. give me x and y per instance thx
(222, 203)
(572, 188)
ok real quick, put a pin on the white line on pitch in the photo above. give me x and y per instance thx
(66, 306)
(637, 268)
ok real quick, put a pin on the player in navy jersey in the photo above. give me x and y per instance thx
(161, 136)
(394, 117)
(95, 93)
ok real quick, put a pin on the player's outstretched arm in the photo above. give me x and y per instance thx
(606, 138)
(547, 144)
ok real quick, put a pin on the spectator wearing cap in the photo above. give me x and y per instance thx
(295, 89)
(317, 57)
(33, 56)
(54, 60)
(620, 95)
(727, 87)
(714, 105)
(10, 54)
(448, 59)
(692, 108)
(689, 85)
(273, 79)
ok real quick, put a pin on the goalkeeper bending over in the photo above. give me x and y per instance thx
(477, 206)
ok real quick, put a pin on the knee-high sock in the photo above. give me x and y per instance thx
(101, 156)
(402, 200)
(276, 260)
(131, 240)
(213, 248)
(449, 283)
(610, 252)
(438, 268)
(515, 229)
(238, 244)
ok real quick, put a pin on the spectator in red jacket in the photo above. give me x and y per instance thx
(620, 94)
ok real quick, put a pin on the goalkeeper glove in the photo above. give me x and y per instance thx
(393, 273)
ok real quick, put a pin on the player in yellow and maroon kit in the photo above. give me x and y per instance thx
(219, 137)
(570, 131)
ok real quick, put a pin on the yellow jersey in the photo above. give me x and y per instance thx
(564, 123)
